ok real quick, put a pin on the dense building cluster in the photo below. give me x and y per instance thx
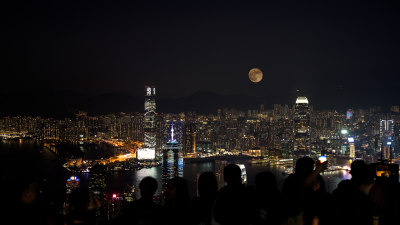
(278, 132)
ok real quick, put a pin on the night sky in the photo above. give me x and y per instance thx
(321, 48)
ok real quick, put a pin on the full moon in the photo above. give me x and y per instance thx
(255, 75)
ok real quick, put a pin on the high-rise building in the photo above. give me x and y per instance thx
(302, 131)
(172, 163)
(386, 127)
(98, 188)
(50, 130)
(150, 117)
(149, 125)
(179, 129)
(352, 152)
(285, 148)
(386, 136)
(137, 128)
(189, 138)
(349, 114)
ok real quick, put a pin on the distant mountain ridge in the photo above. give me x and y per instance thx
(61, 103)
(209, 102)
(53, 103)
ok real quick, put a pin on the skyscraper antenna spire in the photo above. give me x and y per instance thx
(172, 133)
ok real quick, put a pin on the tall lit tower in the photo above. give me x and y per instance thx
(302, 131)
(386, 135)
(149, 124)
(349, 114)
(352, 152)
(172, 163)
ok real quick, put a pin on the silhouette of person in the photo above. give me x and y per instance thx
(143, 210)
(201, 206)
(319, 203)
(177, 200)
(385, 195)
(298, 187)
(266, 199)
(353, 204)
(233, 200)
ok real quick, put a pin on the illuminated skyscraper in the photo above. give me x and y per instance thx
(302, 131)
(149, 125)
(349, 114)
(386, 127)
(150, 117)
(352, 152)
(189, 138)
(172, 163)
(386, 135)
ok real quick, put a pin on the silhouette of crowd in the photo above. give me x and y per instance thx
(303, 200)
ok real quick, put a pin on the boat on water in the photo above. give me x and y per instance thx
(259, 161)
(289, 170)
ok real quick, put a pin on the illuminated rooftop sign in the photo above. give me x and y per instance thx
(302, 100)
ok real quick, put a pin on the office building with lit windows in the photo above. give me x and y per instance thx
(386, 135)
(149, 125)
(302, 131)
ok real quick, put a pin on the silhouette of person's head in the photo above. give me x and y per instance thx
(304, 166)
(357, 169)
(266, 182)
(361, 174)
(207, 185)
(177, 192)
(148, 187)
(232, 174)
